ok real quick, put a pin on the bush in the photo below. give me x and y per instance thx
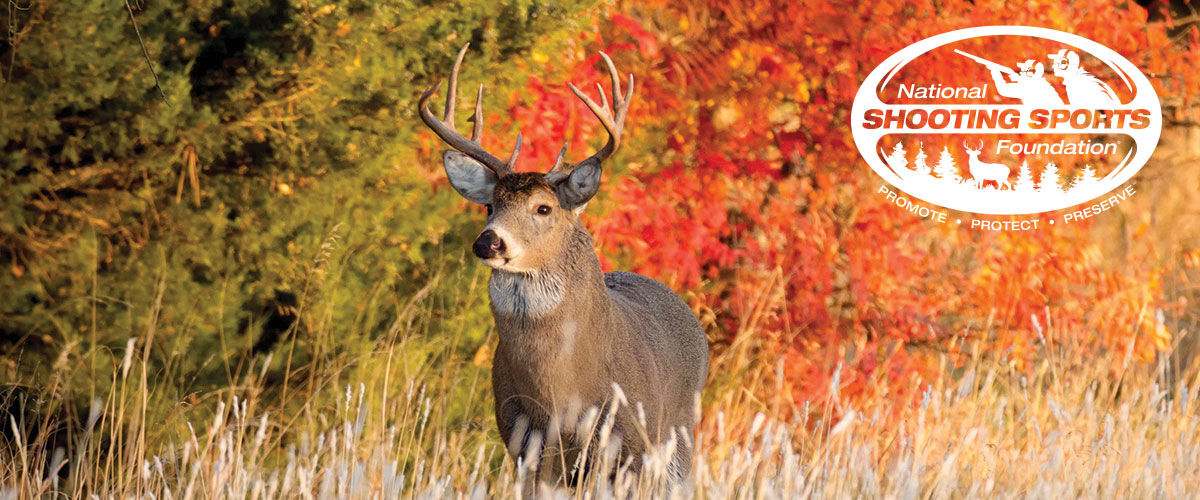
(276, 186)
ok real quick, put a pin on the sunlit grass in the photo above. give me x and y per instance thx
(1067, 429)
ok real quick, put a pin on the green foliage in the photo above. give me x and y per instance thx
(276, 203)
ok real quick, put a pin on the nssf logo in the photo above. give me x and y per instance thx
(1006, 120)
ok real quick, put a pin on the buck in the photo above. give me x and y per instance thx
(572, 338)
(982, 171)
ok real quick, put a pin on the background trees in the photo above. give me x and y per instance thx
(285, 187)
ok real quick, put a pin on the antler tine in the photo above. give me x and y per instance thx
(625, 104)
(603, 100)
(620, 103)
(612, 119)
(616, 79)
(444, 128)
(558, 162)
(452, 90)
(512, 159)
(477, 118)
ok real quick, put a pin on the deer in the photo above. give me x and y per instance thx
(982, 171)
(573, 341)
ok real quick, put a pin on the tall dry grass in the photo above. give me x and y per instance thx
(1074, 427)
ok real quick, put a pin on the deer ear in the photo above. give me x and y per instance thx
(470, 178)
(575, 189)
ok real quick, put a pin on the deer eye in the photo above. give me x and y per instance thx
(489, 208)
(543, 209)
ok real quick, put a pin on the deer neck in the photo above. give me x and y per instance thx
(568, 288)
(555, 326)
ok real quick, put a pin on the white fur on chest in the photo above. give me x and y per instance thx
(530, 295)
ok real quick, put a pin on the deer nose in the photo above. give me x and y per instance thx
(488, 245)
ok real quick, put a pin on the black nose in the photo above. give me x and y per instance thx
(488, 245)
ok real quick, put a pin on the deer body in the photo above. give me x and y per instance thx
(574, 341)
(616, 328)
(982, 171)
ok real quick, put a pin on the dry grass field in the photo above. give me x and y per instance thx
(1076, 428)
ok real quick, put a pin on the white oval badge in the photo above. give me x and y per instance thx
(1039, 120)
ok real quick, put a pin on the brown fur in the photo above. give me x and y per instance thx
(552, 363)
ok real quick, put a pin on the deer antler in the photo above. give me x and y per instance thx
(612, 119)
(444, 128)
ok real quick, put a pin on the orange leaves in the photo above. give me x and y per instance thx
(749, 195)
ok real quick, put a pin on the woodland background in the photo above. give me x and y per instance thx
(276, 223)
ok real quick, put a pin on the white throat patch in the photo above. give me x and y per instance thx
(533, 295)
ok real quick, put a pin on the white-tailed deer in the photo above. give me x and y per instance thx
(982, 172)
(569, 333)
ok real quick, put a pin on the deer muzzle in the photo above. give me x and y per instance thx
(489, 245)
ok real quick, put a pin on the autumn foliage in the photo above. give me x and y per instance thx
(741, 186)
(266, 202)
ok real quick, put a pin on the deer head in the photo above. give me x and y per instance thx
(973, 151)
(529, 214)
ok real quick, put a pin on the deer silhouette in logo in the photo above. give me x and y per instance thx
(982, 172)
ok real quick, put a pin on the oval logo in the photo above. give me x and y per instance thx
(1007, 120)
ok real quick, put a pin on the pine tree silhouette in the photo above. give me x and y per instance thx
(919, 164)
(1049, 182)
(1024, 179)
(945, 167)
(897, 159)
(1085, 179)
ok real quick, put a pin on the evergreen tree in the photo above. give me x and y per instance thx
(898, 159)
(1049, 182)
(945, 168)
(1085, 179)
(1024, 182)
(919, 164)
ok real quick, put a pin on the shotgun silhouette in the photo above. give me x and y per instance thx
(990, 65)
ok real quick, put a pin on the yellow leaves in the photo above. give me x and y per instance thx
(284, 189)
(343, 29)
(482, 355)
(324, 11)
(802, 91)
(539, 57)
(985, 275)
(354, 65)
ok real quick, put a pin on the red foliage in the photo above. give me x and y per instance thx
(743, 187)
